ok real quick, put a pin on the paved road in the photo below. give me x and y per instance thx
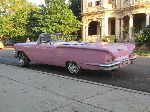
(136, 77)
(26, 90)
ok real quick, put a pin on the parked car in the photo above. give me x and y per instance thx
(75, 56)
(1, 45)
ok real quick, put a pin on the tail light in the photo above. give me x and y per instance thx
(110, 60)
(131, 55)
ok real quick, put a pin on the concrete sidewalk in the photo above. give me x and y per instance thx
(8, 48)
(25, 90)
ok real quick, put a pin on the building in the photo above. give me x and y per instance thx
(113, 18)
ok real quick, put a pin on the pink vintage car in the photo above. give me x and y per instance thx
(75, 56)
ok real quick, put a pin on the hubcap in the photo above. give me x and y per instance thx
(21, 59)
(73, 68)
(21, 62)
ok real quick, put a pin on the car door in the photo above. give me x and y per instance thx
(45, 53)
(41, 53)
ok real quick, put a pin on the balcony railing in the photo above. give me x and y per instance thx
(133, 3)
(93, 9)
(100, 8)
(137, 2)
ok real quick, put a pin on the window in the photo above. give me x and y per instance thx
(97, 3)
(90, 4)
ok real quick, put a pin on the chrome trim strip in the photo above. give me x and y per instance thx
(115, 65)
(15, 54)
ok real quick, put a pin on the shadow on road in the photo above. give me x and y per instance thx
(123, 78)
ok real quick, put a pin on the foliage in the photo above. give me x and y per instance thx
(146, 33)
(125, 30)
(21, 19)
(75, 6)
(142, 37)
(109, 38)
(139, 38)
(54, 17)
(65, 38)
(14, 18)
(142, 52)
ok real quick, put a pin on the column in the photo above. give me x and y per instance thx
(147, 19)
(83, 31)
(117, 28)
(130, 27)
(102, 28)
(86, 31)
(106, 25)
(121, 29)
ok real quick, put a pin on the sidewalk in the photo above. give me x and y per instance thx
(26, 90)
(8, 48)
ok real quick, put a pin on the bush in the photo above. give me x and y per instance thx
(142, 37)
(139, 38)
(146, 33)
(110, 38)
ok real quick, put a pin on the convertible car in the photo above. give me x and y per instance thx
(74, 55)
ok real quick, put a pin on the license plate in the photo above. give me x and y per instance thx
(125, 62)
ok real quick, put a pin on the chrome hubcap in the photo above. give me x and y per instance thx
(21, 59)
(21, 62)
(73, 68)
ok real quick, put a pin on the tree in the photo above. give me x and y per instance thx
(21, 19)
(75, 6)
(14, 17)
(54, 16)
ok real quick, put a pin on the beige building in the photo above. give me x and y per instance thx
(113, 18)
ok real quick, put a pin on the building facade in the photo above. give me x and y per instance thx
(117, 18)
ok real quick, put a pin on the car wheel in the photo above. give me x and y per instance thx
(73, 68)
(23, 60)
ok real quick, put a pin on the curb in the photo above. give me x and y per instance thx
(8, 48)
(143, 56)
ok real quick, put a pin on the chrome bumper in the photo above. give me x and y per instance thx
(117, 64)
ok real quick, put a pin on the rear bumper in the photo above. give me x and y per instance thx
(117, 64)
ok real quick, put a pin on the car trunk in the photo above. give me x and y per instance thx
(119, 50)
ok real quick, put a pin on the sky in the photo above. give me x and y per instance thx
(38, 2)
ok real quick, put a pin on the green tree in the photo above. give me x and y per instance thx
(14, 18)
(75, 6)
(54, 16)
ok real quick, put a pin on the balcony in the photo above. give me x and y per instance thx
(93, 9)
(135, 3)
(99, 8)
(138, 2)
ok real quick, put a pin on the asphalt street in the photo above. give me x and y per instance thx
(26, 90)
(135, 77)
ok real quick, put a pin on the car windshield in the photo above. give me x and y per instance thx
(46, 37)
